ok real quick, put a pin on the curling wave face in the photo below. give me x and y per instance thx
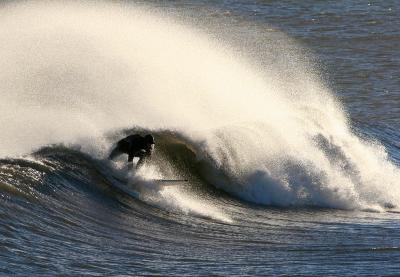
(73, 72)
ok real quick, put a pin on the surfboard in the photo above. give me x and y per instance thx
(125, 186)
(170, 182)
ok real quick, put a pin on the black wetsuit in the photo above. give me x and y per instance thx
(134, 146)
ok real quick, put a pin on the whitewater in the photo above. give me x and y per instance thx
(261, 138)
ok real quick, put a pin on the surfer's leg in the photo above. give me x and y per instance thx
(121, 148)
(115, 153)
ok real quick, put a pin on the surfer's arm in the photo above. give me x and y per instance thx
(130, 160)
(140, 162)
(143, 155)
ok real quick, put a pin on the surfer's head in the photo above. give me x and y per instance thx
(149, 141)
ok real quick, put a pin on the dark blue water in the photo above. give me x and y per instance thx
(61, 215)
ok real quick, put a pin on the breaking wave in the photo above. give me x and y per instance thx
(78, 74)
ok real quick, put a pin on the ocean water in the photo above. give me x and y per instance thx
(282, 115)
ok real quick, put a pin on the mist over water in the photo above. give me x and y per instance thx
(71, 73)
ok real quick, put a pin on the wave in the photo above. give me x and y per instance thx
(337, 179)
(292, 183)
(61, 174)
(265, 135)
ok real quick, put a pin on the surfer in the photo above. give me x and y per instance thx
(135, 146)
